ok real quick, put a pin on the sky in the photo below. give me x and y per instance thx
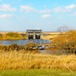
(48, 15)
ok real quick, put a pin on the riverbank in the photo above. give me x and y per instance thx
(16, 60)
(12, 36)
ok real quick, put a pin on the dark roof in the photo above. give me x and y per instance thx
(33, 31)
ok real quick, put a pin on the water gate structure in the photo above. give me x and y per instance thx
(34, 34)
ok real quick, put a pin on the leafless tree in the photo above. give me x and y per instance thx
(64, 29)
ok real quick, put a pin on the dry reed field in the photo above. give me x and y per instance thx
(21, 60)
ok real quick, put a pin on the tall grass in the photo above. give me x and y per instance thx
(21, 60)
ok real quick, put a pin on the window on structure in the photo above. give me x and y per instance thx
(30, 37)
(37, 36)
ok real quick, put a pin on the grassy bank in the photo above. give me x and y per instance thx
(12, 36)
(36, 72)
(22, 60)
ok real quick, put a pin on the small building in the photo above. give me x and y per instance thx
(34, 34)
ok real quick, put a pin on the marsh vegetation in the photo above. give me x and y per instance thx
(12, 36)
(30, 60)
(65, 41)
(19, 58)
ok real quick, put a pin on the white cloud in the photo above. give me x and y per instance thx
(67, 8)
(46, 13)
(5, 16)
(32, 9)
(70, 7)
(7, 8)
(27, 8)
(46, 16)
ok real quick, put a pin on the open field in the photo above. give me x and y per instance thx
(22, 60)
(36, 72)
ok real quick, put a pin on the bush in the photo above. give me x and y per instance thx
(1, 36)
(66, 42)
(12, 35)
(31, 46)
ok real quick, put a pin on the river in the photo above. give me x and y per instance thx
(22, 42)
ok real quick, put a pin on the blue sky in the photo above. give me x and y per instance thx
(48, 15)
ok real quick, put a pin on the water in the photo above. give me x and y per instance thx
(22, 42)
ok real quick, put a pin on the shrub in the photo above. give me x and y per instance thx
(31, 46)
(12, 35)
(66, 41)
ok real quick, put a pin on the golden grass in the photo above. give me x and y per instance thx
(22, 60)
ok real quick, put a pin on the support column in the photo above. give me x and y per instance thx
(34, 36)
